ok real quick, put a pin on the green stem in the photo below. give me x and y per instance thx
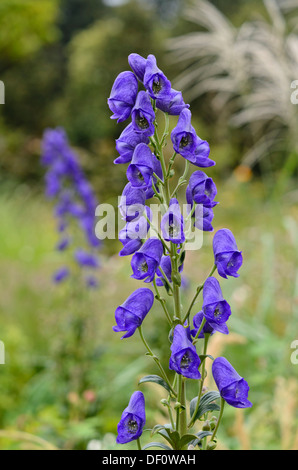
(162, 302)
(222, 405)
(199, 289)
(206, 339)
(183, 417)
(139, 444)
(156, 360)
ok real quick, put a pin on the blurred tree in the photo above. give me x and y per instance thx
(76, 15)
(25, 26)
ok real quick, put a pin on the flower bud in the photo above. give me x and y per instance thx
(211, 445)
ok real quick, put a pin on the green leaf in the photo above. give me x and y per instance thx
(186, 439)
(199, 436)
(206, 404)
(156, 444)
(204, 356)
(155, 379)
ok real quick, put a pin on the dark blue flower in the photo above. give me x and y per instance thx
(123, 96)
(172, 224)
(143, 114)
(133, 234)
(133, 419)
(232, 387)
(216, 309)
(201, 189)
(155, 81)
(127, 143)
(197, 322)
(203, 217)
(184, 358)
(138, 65)
(132, 202)
(227, 257)
(173, 104)
(60, 275)
(145, 262)
(130, 315)
(201, 155)
(66, 182)
(84, 258)
(139, 173)
(183, 136)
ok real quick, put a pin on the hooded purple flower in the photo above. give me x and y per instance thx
(232, 387)
(127, 143)
(143, 114)
(197, 321)
(201, 155)
(130, 315)
(216, 309)
(183, 136)
(172, 224)
(203, 217)
(132, 202)
(166, 266)
(133, 419)
(123, 96)
(201, 189)
(138, 65)
(140, 171)
(157, 170)
(155, 81)
(173, 104)
(60, 275)
(134, 233)
(228, 258)
(145, 262)
(84, 258)
(184, 359)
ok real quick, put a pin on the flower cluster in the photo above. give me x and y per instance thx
(66, 183)
(157, 259)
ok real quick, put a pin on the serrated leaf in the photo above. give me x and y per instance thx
(156, 444)
(206, 404)
(155, 379)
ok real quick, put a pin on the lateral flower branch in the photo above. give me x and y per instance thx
(159, 260)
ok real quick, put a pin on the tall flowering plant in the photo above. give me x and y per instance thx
(158, 260)
(75, 205)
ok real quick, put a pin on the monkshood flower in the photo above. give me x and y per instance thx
(202, 218)
(133, 419)
(201, 189)
(173, 104)
(132, 202)
(155, 81)
(84, 258)
(123, 96)
(227, 257)
(188, 144)
(166, 266)
(197, 321)
(146, 261)
(140, 171)
(232, 387)
(143, 115)
(127, 143)
(172, 224)
(74, 196)
(133, 234)
(184, 358)
(216, 309)
(138, 65)
(130, 315)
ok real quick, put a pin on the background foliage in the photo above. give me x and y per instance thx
(58, 62)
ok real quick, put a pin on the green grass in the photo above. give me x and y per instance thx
(41, 382)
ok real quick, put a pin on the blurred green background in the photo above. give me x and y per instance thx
(235, 62)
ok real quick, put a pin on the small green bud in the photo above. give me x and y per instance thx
(176, 278)
(206, 426)
(211, 445)
(164, 402)
(177, 405)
